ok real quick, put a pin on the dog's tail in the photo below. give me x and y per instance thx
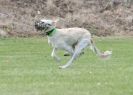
(98, 52)
(95, 49)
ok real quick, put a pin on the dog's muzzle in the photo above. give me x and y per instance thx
(39, 25)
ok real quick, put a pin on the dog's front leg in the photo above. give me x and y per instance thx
(53, 54)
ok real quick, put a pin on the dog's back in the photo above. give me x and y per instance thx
(75, 30)
(70, 36)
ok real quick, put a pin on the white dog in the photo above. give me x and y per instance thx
(72, 40)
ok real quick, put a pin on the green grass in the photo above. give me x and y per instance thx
(26, 68)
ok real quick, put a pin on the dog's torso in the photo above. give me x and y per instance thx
(68, 36)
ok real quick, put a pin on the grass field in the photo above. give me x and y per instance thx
(26, 68)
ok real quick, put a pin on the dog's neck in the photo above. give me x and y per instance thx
(51, 32)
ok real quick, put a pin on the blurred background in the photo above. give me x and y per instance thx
(100, 17)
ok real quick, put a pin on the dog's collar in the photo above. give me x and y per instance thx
(51, 32)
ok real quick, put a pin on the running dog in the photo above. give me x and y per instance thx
(73, 40)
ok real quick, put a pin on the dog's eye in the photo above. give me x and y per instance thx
(48, 25)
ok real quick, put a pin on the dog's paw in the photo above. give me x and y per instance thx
(66, 54)
(62, 67)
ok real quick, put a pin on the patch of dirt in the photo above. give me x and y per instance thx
(101, 17)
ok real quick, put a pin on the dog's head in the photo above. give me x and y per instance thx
(43, 25)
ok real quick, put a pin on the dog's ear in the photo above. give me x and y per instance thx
(55, 21)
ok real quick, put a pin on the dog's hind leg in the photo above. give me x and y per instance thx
(78, 49)
(53, 54)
